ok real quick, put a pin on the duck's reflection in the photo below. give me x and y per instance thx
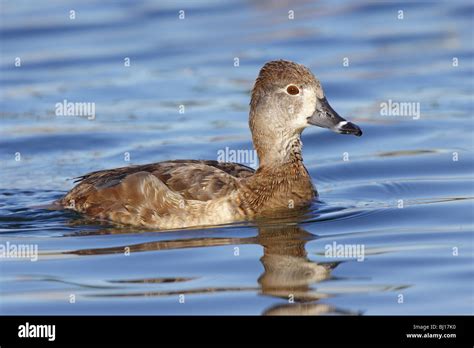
(288, 273)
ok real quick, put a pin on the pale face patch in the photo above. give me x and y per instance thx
(308, 99)
(303, 103)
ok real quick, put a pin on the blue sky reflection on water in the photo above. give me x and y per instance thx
(408, 251)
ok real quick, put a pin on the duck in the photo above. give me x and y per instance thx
(286, 99)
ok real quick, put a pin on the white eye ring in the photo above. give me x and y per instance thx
(292, 90)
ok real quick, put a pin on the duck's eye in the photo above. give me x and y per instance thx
(292, 89)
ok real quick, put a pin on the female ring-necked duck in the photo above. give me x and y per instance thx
(286, 98)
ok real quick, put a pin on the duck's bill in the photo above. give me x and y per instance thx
(325, 116)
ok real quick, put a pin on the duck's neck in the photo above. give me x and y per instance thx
(281, 180)
(278, 149)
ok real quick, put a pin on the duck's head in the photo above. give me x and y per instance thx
(286, 99)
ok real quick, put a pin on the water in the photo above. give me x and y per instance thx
(404, 192)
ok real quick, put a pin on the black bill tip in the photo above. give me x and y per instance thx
(345, 127)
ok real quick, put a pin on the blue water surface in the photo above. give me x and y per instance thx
(403, 191)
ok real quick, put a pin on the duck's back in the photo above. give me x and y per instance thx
(149, 191)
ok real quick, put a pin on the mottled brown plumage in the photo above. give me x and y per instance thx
(185, 193)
